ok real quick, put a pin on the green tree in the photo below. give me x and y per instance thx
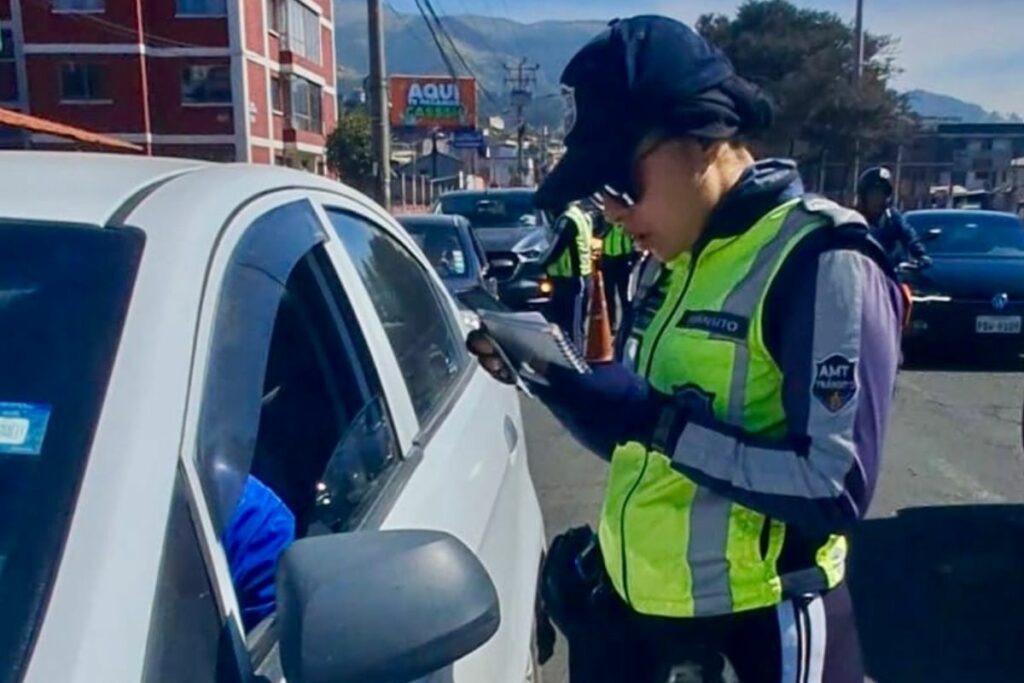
(805, 60)
(350, 151)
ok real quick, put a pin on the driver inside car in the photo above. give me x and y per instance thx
(260, 530)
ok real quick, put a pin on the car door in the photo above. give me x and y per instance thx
(473, 481)
(290, 396)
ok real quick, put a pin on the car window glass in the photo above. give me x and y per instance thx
(418, 321)
(967, 233)
(318, 386)
(64, 293)
(185, 626)
(325, 443)
(494, 210)
(442, 247)
(310, 377)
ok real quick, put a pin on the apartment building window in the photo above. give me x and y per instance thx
(207, 84)
(8, 70)
(306, 105)
(275, 20)
(202, 8)
(78, 5)
(6, 44)
(276, 95)
(83, 82)
(302, 31)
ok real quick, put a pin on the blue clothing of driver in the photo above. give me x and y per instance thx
(260, 530)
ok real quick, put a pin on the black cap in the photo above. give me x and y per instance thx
(643, 73)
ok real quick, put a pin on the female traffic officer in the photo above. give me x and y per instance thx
(745, 422)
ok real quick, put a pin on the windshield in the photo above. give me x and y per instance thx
(494, 210)
(969, 233)
(442, 246)
(63, 296)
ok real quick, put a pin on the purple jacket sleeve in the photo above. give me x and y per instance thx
(838, 348)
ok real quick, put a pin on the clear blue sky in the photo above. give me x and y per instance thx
(971, 49)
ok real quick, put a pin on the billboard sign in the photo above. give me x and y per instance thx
(433, 102)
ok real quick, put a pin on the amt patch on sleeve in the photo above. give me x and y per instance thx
(23, 428)
(835, 382)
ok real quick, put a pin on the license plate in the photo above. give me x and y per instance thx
(998, 324)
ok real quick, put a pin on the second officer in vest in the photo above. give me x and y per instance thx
(617, 259)
(744, 424)
(569, 265)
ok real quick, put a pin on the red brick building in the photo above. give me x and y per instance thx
(246, 80)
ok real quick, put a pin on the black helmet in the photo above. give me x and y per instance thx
(879, 176)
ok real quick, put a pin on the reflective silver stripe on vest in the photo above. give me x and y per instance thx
(742, 301)
(710, 514)
(709, 537)
(820, 472)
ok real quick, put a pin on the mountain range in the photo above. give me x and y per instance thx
(489, 44)
(931, 104)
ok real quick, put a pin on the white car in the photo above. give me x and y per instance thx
(170, 330)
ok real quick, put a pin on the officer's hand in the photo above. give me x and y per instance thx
(487, 351)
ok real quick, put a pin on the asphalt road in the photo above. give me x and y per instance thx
(937, 570)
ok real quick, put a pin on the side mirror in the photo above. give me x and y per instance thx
(381, 607)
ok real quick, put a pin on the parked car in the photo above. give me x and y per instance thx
(174, 330)
(516, 236)
(453, 249)
(971, 298)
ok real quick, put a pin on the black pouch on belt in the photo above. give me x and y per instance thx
(573, 576)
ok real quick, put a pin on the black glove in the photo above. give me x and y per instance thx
(491, 357)
(565, 590)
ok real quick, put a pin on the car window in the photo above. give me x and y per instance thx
(294, 399)
(64, 293)
(955, 232)
(494, 210)
(185, 626)
(419, 323)
(442, 246)
(320, 376)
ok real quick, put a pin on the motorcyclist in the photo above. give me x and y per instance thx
(888, 226)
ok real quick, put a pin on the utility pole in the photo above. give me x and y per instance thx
(521, 78)
(544, 141)
(858, 76)
(379, 109)
(434, 134)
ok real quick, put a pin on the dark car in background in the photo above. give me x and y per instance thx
(457, 256)
(970, 300)
(515, 235)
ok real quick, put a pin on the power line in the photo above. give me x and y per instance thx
(437, 41)
(122, 30)
(458, 53)
(414, 34)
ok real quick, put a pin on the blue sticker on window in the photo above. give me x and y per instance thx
(23, 427)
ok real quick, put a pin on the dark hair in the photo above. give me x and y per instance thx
(733, 109)
(754, 107)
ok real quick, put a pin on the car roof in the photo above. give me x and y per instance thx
(975, 213)
(432, 219)
(494, 191)
(78, 187)
(100, 189)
